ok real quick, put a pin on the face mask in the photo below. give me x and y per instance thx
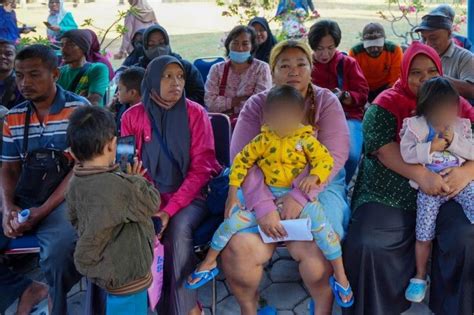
(161, 50)
(239, 57)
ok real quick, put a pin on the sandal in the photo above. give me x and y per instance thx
(311, 307)
(337, 288)
(267, 310)
(205, 276)
(416, 290)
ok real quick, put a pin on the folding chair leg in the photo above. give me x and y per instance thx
(214, 297)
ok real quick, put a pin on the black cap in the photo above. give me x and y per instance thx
(432, 22)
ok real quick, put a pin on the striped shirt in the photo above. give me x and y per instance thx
(50, 134)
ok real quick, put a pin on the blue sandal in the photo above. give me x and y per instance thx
(205, 276)
(338, 289)
(267, 310)
(311, 307)
(416, 290)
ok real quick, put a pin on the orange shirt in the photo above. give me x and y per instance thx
(383, 70)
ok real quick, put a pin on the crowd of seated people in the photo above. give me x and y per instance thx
(403, 119)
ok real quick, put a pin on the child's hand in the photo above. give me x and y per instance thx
(136, 168)
(309, 183)
(438, 144)
(232, 202)
(448, 135)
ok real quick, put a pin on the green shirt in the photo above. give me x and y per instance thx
(94, 81)
(375, 182)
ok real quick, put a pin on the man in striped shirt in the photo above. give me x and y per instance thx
(36, 75)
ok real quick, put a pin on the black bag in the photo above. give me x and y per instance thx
(42, 172)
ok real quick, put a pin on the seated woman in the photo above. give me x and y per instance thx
(156, 43)
(291, 63)
(231, 83)
(179, 171)
(265, 38)
(342, 75)
(137, 52)
(59, 20)
(95, 54)
(379, 251)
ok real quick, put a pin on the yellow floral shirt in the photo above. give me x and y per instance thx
(282, 159)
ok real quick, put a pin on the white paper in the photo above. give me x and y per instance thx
(297, 230)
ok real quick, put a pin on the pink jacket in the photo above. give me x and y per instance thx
(203, 164)
(333, 133)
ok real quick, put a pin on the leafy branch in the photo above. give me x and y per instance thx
(245, 10)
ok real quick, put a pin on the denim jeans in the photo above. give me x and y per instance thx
(356, 142)
(57, 240)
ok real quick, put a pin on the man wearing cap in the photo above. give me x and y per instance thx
(379, 59)
(458, 63)
(461, 41)
(79, 76)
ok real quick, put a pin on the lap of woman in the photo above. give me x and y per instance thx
(379, 256)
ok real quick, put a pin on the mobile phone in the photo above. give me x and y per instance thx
(47, 24)
(125, 151)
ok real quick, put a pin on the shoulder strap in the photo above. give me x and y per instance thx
(77, 78)
(340, 73)
(225, 75)
(26, 131)
(165, 149)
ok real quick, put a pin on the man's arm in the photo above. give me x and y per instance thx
(95, 99)
(466, 89)
(9, 175)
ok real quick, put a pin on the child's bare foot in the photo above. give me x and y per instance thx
(205, 265)
(343, 281)
(34, 294)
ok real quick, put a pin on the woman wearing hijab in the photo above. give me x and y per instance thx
(8, 23)
(175, 142)
(265, 38)
(379, 251)
(137, 52)
(95, 55)
(141, 16)
(59, 20)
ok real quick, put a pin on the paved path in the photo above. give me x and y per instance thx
(281, 287)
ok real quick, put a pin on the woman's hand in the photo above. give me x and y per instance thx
(433, 184)
(165, 219)
(291, 209)
(54, 28)
(271, 225)
(456, 179)
(237, 101)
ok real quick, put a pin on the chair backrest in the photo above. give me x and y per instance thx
(222, 133)
(204, 65)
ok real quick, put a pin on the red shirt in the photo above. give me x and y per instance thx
(354, 82)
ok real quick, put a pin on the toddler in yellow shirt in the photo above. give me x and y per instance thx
(282, 150)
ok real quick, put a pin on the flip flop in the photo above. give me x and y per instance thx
(267, 310)
(338, 288)
(311, 307)
(205, 276)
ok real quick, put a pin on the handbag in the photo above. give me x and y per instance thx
(42, 172)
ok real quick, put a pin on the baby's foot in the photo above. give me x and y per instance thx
(205, 265)
(343, 281)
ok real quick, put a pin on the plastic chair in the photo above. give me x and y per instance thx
(27, 244)
(204, 65)
(202, 236)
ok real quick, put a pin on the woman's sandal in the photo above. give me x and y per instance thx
(205, 276)
(416, 290)
(338, 289)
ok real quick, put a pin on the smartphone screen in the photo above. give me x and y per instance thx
(125, 151)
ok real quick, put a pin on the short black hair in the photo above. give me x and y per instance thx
(44, 53)
(7, 42)
(434, 93)
(236, 31)
(321, 29)
(284, 95)
(132, 78)
(90, 129)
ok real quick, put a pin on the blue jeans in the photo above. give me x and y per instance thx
(132, 304)
(57, 240)
(322, 231)
(356, 142)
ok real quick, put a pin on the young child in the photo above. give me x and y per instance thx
(282, 150)
(111, 212)
(439, 139)
(128, 91)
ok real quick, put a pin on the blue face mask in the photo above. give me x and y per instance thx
(239, 57)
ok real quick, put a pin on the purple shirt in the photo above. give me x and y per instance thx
(332, 132)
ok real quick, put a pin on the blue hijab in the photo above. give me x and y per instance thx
(170, 130)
